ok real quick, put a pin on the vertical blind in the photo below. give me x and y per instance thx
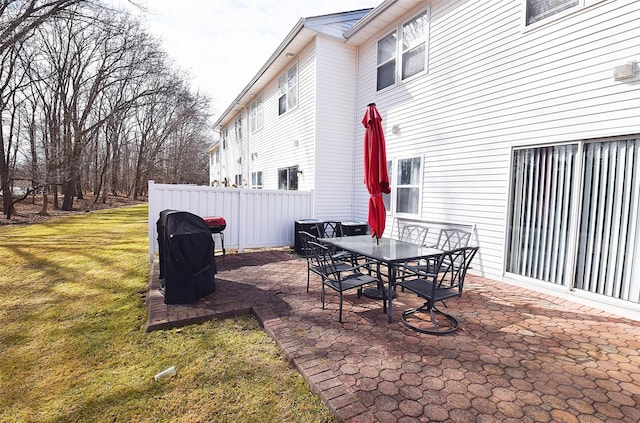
(606, 214)
(608, 236)
(543, 182)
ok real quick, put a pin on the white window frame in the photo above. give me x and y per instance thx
(256, 115)
(400, 52)
(391, 200)
(292, 173)
(238, 128)
(288, 90)
(224, 134)
(256, 180)
(551, 17)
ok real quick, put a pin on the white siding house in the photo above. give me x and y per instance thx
(214, 164)
(519, 116)
(297, 118)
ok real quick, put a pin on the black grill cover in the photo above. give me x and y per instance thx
(187, 264)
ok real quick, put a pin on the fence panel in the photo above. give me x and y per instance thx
(255, 218)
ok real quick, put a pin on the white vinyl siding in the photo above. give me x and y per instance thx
(491, 87)
(287, 140)
(336, 122)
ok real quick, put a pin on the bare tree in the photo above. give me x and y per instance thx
(94, 103)
(18, 18)
(11, 81)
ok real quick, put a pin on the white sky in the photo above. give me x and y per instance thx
(223, 43)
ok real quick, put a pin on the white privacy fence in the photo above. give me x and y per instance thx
(255, 218)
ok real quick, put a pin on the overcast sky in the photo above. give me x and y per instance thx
(223, 43)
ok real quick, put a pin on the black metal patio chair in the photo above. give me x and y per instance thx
(415, 234)
(339, 280)
(329, 229)
(442, 280)
(312, 262)
(452, 238)
(333, 229)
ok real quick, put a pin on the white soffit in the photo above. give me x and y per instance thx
(379, 19)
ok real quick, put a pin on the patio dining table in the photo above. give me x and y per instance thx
(386, 251)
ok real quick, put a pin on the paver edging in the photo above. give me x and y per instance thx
(342, 403)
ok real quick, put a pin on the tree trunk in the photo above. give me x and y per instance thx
(68, 190)
(35, 180)
(56, 197)
(45, 204)
(7, 203)
(79, 194)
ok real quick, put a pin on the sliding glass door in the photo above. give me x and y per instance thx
(574, 216)
(607, 259)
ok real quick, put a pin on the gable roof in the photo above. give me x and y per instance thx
(332, 25)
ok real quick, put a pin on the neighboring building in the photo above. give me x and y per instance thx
(214, 165)
(520, 116)
(295, 119)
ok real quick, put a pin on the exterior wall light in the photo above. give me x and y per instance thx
(626, 71)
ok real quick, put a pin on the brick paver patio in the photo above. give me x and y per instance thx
(520, 356)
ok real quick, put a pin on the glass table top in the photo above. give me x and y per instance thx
(385, 250)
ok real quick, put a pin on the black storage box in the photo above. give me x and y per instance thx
(306, 225)
(354, 228)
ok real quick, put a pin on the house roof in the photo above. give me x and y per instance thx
(333, 25)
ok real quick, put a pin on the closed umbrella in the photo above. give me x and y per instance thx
(376, 177)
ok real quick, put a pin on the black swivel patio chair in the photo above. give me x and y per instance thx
(444, 281)
(336, 279)
(449, 239)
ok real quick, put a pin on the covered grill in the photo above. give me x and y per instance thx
(216, 225)
(187, 264)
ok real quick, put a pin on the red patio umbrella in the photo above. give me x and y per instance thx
(376, 176)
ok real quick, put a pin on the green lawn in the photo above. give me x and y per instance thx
(72, 347)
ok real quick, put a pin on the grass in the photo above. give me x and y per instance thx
(72, 347)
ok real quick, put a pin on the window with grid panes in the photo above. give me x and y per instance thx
(288, 90)
(403, 53)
